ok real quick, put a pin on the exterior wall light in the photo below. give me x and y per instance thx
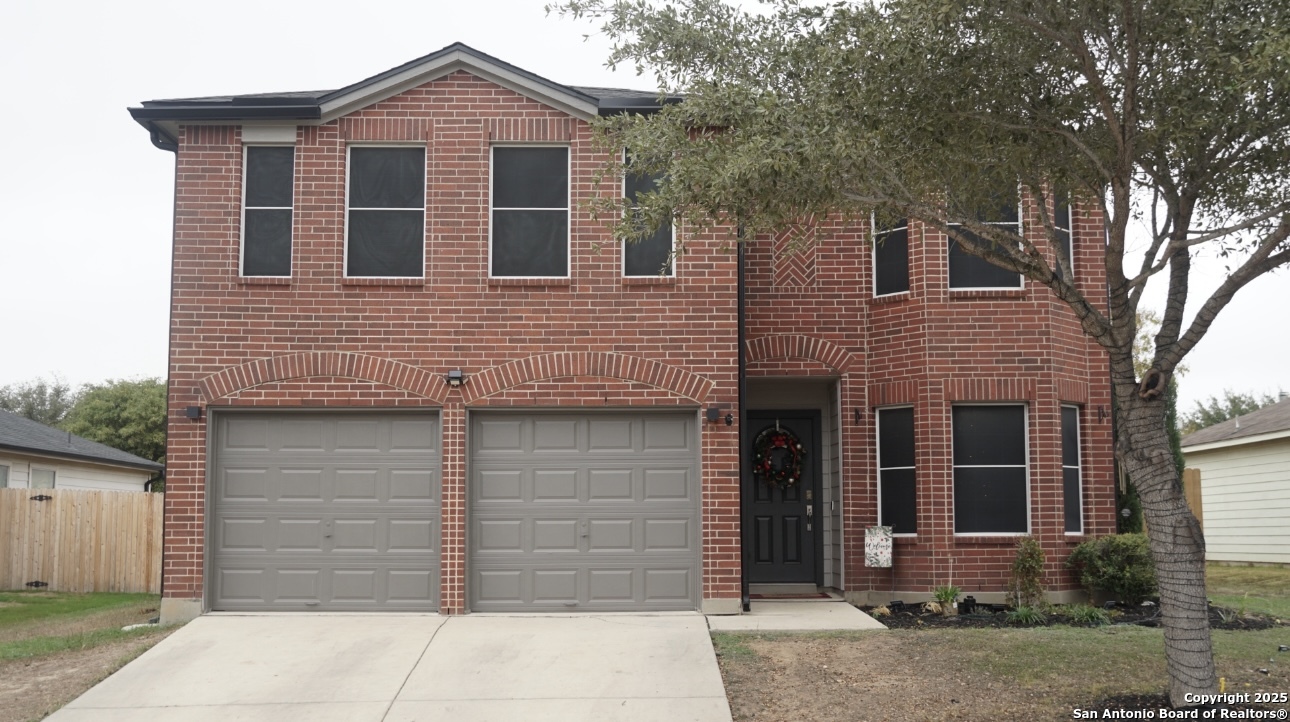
(455, 378)
(193, 412)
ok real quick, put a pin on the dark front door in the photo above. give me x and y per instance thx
(782, 532)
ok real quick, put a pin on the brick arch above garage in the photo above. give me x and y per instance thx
(411, 379)
(798, 346)
(507, 376)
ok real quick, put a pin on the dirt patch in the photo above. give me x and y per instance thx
(30, 689)
(877, 678)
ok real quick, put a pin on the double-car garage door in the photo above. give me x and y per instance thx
(566, 511)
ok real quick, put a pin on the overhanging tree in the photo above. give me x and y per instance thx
(1171, 112)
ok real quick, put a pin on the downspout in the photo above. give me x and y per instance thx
(745, 600)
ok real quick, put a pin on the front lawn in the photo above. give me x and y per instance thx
(1043, 673)
(55, 645)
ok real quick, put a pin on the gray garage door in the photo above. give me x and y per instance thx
(325, 511)
(585, 512)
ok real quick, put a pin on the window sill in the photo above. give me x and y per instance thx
(649, 280)
(989, 293)
(531, 282)
(264, 280)
(382, 281)
(891, 298)
(1008, 539)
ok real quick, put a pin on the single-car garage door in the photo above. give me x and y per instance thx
(583, 512)
(325, 511)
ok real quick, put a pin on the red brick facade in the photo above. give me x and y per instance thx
(600, 340)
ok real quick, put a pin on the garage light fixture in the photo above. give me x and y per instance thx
(193, 412)
(455, 378)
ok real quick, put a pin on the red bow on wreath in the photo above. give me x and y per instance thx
(777, 457)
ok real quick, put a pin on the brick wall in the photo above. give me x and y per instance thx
(930, 348)
(321, 340)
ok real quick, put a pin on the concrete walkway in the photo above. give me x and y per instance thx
(393, 667)
(796, 616)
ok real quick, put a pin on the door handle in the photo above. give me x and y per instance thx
(810, 510)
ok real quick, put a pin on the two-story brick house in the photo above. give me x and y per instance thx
(409, 372)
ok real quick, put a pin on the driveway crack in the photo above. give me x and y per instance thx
(416, 664)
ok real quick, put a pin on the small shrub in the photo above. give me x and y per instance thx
(947, 594)
(1027, 616)
(1026, 585)
(881, 611)
(1087, 614)
(932, 608)
(1118, 564)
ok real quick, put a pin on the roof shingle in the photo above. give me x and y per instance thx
(19, 433)
(1267, 420)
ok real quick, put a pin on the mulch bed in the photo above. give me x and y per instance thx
(913, 617)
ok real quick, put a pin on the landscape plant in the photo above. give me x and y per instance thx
(1026, 585)
(1117, 564)
(946, 596)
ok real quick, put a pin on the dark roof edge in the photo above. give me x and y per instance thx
(143, 464)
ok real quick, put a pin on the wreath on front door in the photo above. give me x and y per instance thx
(777, 457)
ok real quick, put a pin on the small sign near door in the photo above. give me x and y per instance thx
(877, 547)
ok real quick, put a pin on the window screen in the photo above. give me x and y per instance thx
(386, 221)
(42, 478)
(989, 469)
(1072, 492)
(530, 217)
(266, 222)
(891, 260)
(1062, 227)
(4, 477)
(969, 271)
(652, 255)
(896, 478)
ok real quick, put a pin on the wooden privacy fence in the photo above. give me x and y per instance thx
(80, 541)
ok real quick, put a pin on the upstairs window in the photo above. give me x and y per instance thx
(385, 224)
(891, 259)
(1072, 491)
(990, 479)
(652, 255)
(530, 212)
(898, 508)
(969, 271)
(1062, 227)
(269, 172)
(4, 476)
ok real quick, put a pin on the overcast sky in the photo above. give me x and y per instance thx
(85, 247)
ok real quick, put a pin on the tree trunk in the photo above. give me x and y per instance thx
(1177, 543)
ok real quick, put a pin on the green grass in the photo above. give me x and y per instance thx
(21, 607)
(1253, 589)
(41, 646)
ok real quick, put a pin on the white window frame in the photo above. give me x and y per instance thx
(877, 451)
(1070, 230)
(31, 477)
(1021, 232)
(1079, 468)
(568, 208)
(425, 212)
(241, 246)
(1025, 411)
(873, 257)
(622, 254)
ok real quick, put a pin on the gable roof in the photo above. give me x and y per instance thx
(1270, 421)
(18, 433)
(163, 117)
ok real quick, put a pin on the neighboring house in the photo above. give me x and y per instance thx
(409, 372)
(1244, 468)
(35, 456)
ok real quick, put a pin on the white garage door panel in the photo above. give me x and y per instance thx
(587, 512)
(325, 511)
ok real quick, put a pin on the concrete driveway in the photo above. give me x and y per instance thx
(414, 667)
